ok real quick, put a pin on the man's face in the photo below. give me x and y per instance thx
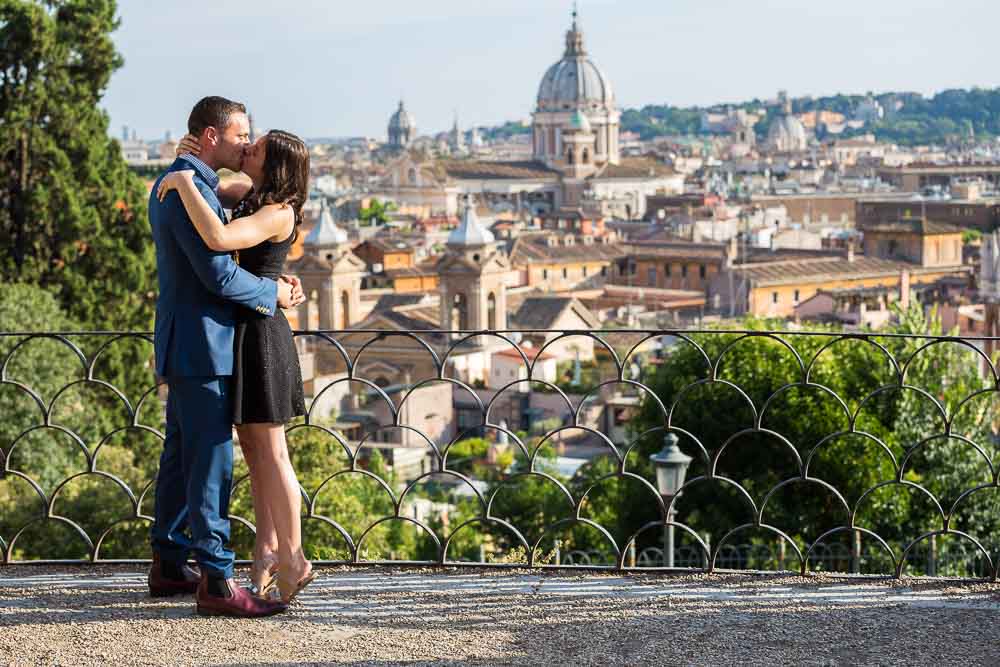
(232, 142)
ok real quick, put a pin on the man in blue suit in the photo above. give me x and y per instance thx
(196, 312)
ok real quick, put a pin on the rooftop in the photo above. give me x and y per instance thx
(481, 169)
(821, 270)
(637, 167)
(923, 227)
(533, 247)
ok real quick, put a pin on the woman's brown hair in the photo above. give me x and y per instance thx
(286, 174)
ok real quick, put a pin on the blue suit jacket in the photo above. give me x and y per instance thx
(199, 288)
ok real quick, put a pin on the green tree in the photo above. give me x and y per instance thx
(376, 213)
(74, 218)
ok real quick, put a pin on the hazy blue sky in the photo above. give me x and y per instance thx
(338, 67)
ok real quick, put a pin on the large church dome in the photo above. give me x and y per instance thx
(574, 82)
(401, 119)
(575, 95)
(787, 133)
(402, 127)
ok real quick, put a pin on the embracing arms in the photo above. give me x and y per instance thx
(220, 274)
(273, 221)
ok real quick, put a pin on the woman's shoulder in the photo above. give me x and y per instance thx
(282, 219)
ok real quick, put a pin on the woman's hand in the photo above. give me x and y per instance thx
(173, 181)
(189, 144)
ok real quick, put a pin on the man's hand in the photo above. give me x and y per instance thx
(284, 294)
(297, 295)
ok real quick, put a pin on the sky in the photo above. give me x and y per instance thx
(330, 68)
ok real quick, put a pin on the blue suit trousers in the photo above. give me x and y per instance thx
(196, 475)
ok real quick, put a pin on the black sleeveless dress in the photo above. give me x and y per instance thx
(267, 380)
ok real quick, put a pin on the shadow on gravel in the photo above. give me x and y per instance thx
(407, 620)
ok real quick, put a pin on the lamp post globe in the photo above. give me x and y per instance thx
(671, 466)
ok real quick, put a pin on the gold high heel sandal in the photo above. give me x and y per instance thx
(268, 580)
(300, 585)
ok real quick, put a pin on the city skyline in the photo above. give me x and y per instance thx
(343, 74)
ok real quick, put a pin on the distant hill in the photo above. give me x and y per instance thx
(910, 118)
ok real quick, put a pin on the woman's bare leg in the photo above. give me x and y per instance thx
(265, 547)
(280, 491)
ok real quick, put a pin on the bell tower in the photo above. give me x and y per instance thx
(472, 278)
(331, 276)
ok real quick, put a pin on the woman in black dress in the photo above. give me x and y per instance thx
(267, 381)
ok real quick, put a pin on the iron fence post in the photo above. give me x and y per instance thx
(856, 553)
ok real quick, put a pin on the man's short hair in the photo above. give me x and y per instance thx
(212, 111)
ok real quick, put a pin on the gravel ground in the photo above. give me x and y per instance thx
(386, 616)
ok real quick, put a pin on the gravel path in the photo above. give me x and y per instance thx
(381, 616)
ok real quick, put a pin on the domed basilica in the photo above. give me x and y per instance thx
(575, 87)
(575, 163)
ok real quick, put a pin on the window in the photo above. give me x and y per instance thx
(774, 297)
(796, 296)
(702, 270)
(684, 271)
(604, 270)
(584, 271)
(491, 311)
(565, 272)
(666, 270)
(651, 276)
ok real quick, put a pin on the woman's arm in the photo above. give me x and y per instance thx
(269, 222)
(232, 190)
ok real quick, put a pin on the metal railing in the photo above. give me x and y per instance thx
(811, 451)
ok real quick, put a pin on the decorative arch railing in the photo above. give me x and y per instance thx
(810, 450)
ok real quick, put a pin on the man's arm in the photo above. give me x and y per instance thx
(217, 271)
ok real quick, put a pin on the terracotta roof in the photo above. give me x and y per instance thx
(406, 322)
(542, 312)
(391, 301)
(530, 352)
(677, 250)
(637, 167)
(533, 248)
(789, 254)
(776, 273)
(390, 244)
(481, 169)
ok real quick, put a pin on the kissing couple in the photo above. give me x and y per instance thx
(226, 353)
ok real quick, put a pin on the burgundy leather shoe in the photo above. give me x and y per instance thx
(161, 586)
(237, 602)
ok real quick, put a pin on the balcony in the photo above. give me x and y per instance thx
(810, 452)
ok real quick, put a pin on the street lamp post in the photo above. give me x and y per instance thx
(671, 467)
